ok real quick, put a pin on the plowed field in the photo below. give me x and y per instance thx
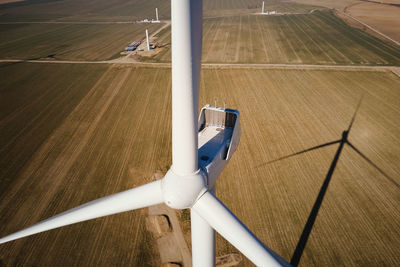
(316, 38)
(64, 144)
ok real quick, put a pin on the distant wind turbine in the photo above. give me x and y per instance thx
(147, 40)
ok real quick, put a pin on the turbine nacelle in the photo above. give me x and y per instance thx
(219, 136)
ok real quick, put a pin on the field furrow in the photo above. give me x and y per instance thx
(315, 38)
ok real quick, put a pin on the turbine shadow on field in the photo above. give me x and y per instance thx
(314, 211)
(317, 204)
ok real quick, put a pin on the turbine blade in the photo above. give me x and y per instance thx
(139, 197)
(212, 210)
(373, 164)
(203, 241)
(301, 152)
(355, 113)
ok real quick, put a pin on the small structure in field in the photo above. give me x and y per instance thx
(273, 12)
(132, 46)
(150, 21)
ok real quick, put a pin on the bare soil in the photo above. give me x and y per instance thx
(384, 18)
(165, 226)
(9, 1)
(316, 38)
(117, 135)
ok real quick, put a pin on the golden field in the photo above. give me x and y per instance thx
(116, 134)
(71, 133)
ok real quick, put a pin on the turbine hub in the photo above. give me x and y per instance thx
(182, 191)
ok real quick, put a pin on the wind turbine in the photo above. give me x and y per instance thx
(147, 40)
(189, 183)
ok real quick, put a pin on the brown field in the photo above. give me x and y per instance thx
(338, 4)
(118, 10)
(288, 111)
(69, 41)
(317, 38)
(63, 147)
(122, 10)
(71, 133)
(95, 148)
(9, 1)
(235, 7)
(384, 18)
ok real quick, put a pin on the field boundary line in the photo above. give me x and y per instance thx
(74, 22)
(396, 71)
(369, 27)
(358, 39)
(212, 65)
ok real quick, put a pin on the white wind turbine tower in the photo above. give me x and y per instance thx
(157, 14)
(262, 9)
(189, 183)
(147, 40)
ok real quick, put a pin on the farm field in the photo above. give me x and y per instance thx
(317, 38)
(71, 10)
(283, 112)
(384, 18)
(338, 4)
(68, 41)
(235, 7)
(120, 10)
(114, 133)
(108, 142)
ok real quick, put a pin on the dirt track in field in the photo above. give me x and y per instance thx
(126, 61)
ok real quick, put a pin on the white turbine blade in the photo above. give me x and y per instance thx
(203, 242)
(139, 197)
(232, 229)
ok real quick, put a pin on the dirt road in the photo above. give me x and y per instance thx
(208, 65)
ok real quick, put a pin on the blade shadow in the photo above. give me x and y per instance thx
(373, 164)
(355, 113)
(300, 152)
